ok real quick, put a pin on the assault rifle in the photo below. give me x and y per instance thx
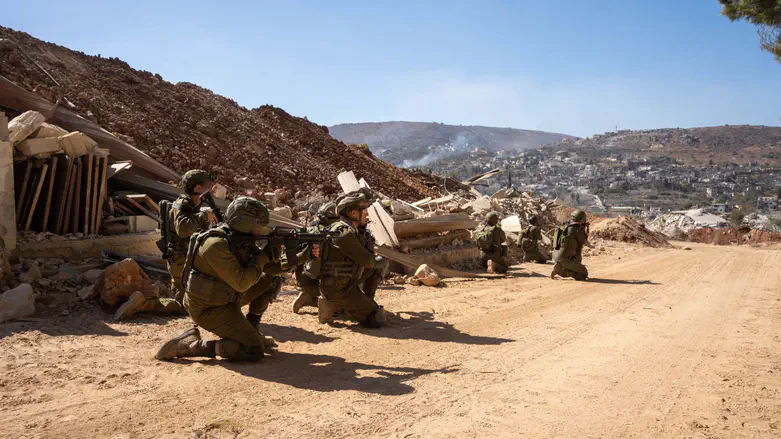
(291, 239)
(209, 200)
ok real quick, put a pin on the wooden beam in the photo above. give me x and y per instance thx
(76, 207)
(143, 209)
(20, 202)
(414, 262)
(123, 208)
(95, 187)
(118, 167)
(34, 202)
(381, 226)
(87, 191)
(61, 195)
(50, 191)
(434, 224)
(102, 195)
(62, 228)
(144, 199)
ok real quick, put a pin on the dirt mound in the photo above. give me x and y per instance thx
(732, 235)
(563, 214)
(185, 126)
(626, 229)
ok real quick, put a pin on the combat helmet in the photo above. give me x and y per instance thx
(492, 218)
(360, 199)
(194, 177)
(245, 214)
(327, 212)
(578, 216)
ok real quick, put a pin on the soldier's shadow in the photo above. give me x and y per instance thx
(423, 326)
(620, 282)
(326, 373)
(293, 333)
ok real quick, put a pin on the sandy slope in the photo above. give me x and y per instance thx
(669, 343)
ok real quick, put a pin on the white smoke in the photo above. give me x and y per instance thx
(459, 145)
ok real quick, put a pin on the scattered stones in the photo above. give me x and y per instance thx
(60, 276)
(284, 211)
(17, 303)
(91, 275)
(87, 293)
(31, 275)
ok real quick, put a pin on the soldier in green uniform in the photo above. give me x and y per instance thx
(568, 252)
(185, 217)
(224, 271)
(349, 269)
(307, 282)
(530, 242)
(490, 238)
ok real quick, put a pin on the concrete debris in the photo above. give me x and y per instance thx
(60, 276)
(122, 279)
(24, 125)
(36, 147)
(88, 292)
(91, 275)
(427, 276)
(17, 303)
(77, 144)
(31, 275)
(625, 229)
(285, 212)
(49, 130)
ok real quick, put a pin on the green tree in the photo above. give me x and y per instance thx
(765, 14)
(736, 217)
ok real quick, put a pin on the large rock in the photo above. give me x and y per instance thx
(270, 198)
(24, 125)
(122, 279)
(427, 276)
(17, 303)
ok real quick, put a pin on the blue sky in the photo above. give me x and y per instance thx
(571, 66)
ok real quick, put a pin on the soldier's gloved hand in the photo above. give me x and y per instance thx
(274, 253)
(315, 251)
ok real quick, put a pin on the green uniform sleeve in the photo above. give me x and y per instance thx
(226, 266)
(351, 246)
(499, 236)
(187, 224)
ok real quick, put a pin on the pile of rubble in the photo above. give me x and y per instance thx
(184, 126)
(625, 229)
(733, 236)
(678, 224)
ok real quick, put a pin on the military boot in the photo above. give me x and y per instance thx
(303, 300)
(268, 342)
(556, 271)
(134, 304)
(325, 310)
(188, 344)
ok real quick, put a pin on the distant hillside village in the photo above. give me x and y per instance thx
(641, 173)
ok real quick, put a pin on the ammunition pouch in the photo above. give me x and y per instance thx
(340, 282)
(208, 290)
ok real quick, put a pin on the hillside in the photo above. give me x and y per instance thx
(694, 146)
(185, 126)
(411, 144)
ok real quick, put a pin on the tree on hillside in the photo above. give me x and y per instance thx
(766, 14)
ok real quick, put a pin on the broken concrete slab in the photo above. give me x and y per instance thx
(31, 275)
(434, 224)
(33, 147)
(434, 241)
(49, 130)
(24, 125)
(17, 303)
(284, 212)
(77, 144)
(88, 292)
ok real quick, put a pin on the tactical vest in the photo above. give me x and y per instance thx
(313, 267)
(184, 204)
(210, 291)
(336, 267)
(484, 238)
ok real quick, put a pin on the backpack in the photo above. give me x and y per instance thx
(484, 238)
(165, 229)
(560, 237)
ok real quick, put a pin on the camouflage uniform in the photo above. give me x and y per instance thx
(306, 281)
(350, 271)
(495, 251)
(530, 244)
(223, 278)
(184, 219)
(569, 258)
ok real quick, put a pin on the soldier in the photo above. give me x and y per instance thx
(349, 269)
(307, 281)
(184, 218)
(530, 242)
(490, 238)
(568, 248)
(224, 271)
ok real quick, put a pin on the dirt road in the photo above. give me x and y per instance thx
(661, 343)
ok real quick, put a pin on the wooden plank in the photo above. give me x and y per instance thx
(146, 211)
(37, 195)
(111, 206)
(380, 225)
(95, 187)
(25, 180)
(43, 225)
(385, 222)
(35, 178)
(434, 224)
(118, 167)
(66, 216)
(61, 200)
(413, 262)
(87, 194)
(119, 206)
(76, 207)
(17, 98)
(102, 195)
(143, 199)
(348, 182)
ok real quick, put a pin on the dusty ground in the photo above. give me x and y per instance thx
(662, 343)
